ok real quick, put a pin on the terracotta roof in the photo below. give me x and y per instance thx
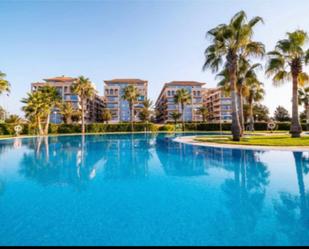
(60, 79)
(184, 83)
(129, 81)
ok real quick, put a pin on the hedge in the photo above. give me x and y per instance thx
(8, 129)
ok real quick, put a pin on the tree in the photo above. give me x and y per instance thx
(51, 98)
(230, 42)
(175, 116)
(260, 112)
(106, 115)
(255, 94)
(203, 110)
(303, 99)
(285, 63)
(13, 119)
(182, 98)
(146, 112)
(85, 90)
(35, 109)
(4, 84)
(247, 80)
(2, 114)
(281, 114)
(131, 95)
(67, 112)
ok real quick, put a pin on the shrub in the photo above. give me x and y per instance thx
(167, 127)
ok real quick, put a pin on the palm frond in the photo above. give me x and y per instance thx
(303, 79)
(281, 77)
(255, 20)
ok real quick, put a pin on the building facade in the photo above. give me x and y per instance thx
(94, 107)
(218, 105)
(165, 104)
(113, 95)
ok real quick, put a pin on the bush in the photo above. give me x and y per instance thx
(167, 127)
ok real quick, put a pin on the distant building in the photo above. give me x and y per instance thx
(63, 85)
(119, 108)
(219, 105)
(165, 104)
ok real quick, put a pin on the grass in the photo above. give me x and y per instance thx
(276, 140)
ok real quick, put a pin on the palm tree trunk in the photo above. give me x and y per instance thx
(132, 116)
(236, 129)
(47, 124)
(251, 119)
(41, 133)
(183, 116)
(307, 117)
(240, 111)
(295, 125)
(83, 117)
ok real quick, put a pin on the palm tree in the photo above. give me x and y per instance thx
(13, 119)
(52, 99)
(255, 94)
(203, 110)
(2, 114)
(85, 90)
(146, 111)
(182, 98)
(131, 95)
(4, 84)
(67, 111)
(106, 115)
(230, 42)
(35, 108)
(175, 116)
(303, 99)
(285, 63)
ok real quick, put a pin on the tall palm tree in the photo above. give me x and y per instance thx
(35, 108)
(175, 116)
(85, 90)
(303, 99)
(52, 99)
(255, 94)
(182, 98)
(67, 111)
(4, 84)
(230, 42)
(203, 110)
(146, 111)
(246, 77)
(285, 63)
(131, 95)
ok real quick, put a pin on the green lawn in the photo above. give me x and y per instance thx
(276, 140)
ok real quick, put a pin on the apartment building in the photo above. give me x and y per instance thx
(63, 84)
(165, 104)
(119, 108)
(218, 104)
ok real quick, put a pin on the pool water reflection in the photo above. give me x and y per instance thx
(145, 189)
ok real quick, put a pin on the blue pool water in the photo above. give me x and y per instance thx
(148, 190)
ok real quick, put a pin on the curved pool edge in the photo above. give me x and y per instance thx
(190, 140)
(104, 133)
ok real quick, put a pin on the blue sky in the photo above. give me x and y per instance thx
(158, 41)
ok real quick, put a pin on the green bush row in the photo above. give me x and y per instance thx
(8, 129)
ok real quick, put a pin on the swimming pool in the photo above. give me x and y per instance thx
(145, 189)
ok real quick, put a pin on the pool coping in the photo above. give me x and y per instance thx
(106, 133)
(190, 140)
